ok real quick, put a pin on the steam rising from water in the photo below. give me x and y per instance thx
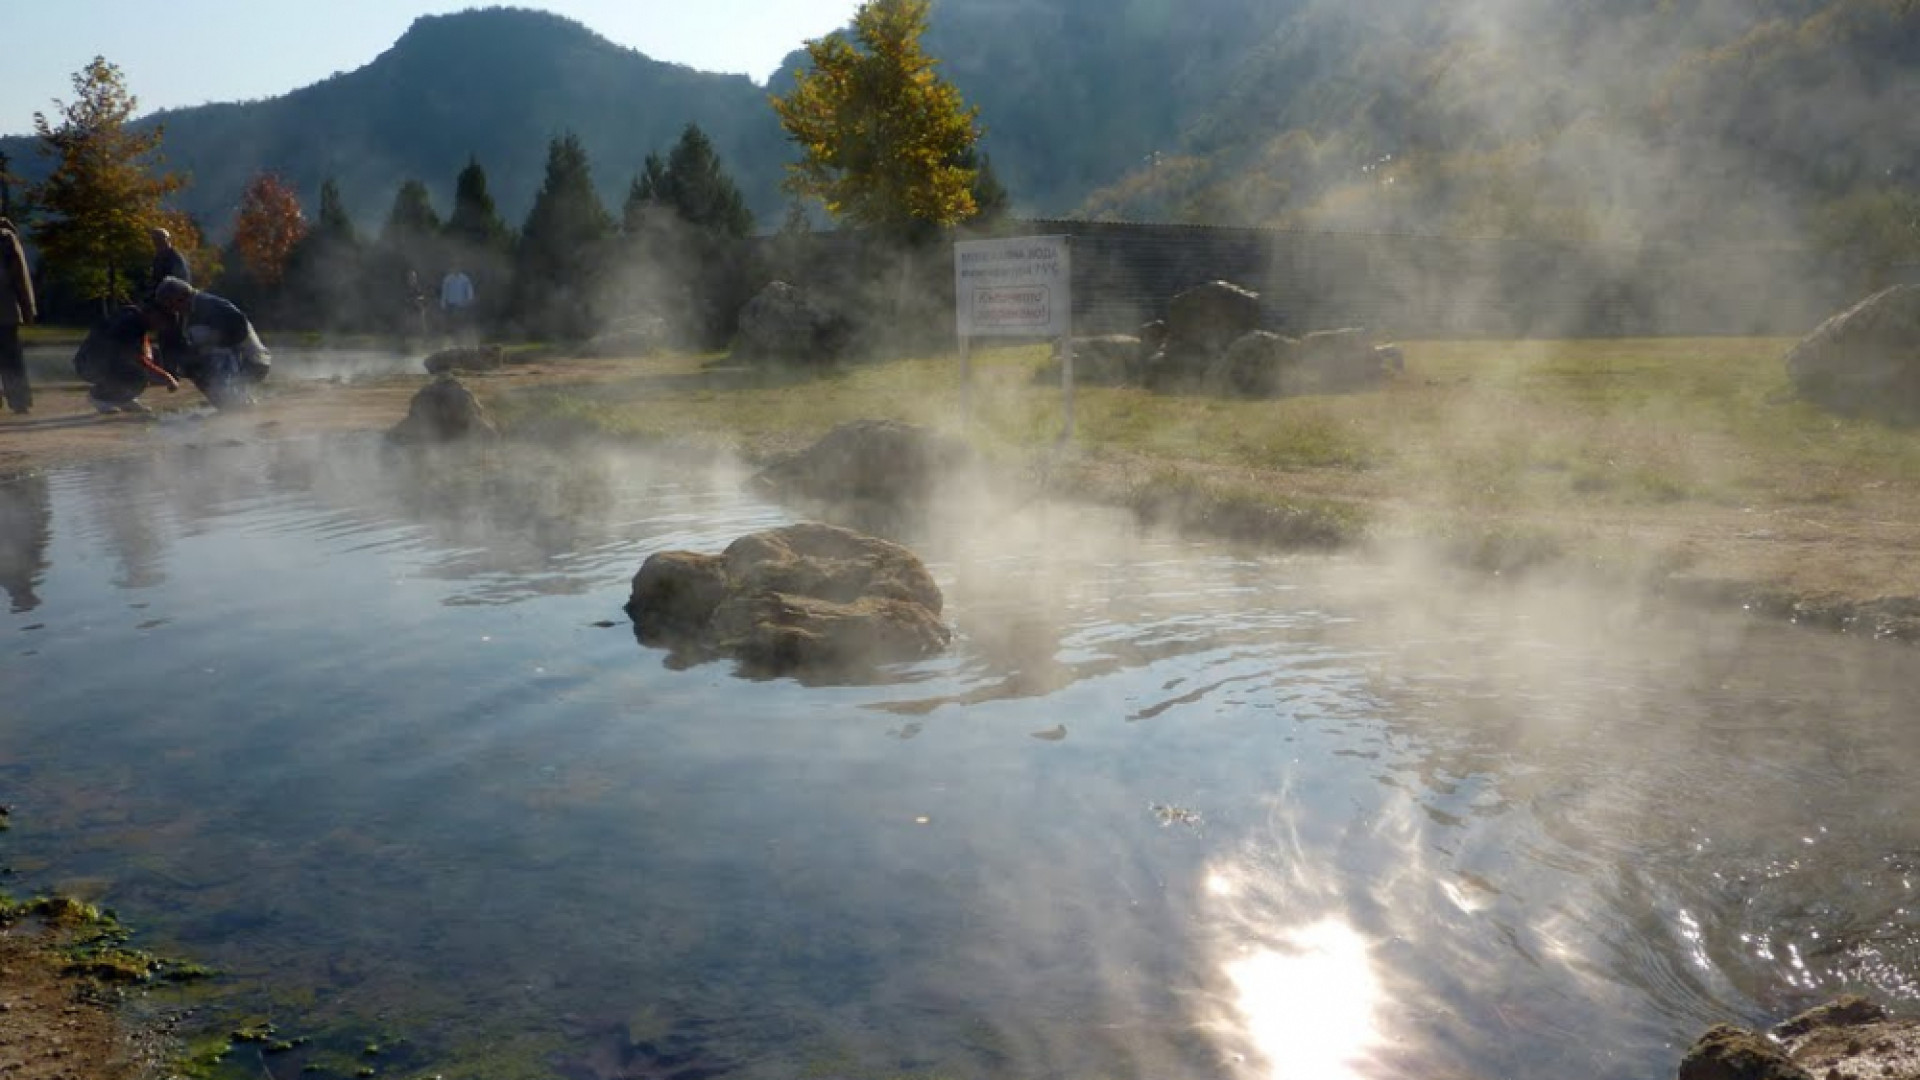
(1438, 826)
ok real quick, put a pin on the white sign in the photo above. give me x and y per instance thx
(1017, 287)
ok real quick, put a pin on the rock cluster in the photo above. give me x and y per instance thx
(867, 461)
(1212, 342)
(1845, 1039)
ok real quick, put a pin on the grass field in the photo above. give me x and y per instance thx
(1487, 425)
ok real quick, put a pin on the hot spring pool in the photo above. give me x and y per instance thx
(372, 736)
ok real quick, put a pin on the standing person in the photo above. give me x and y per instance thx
(417, 305)
(168, 262)
(116, 359)
(16, 310)
(456, 303)
(214, 345)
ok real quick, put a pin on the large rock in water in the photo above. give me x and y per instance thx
(1851, 1037)
(814, 601)
(868, 461)
(443, 411)
(784, 324)
(1726, 1052)
(1865, 359)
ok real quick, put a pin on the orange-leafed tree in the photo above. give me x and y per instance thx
(267, 227)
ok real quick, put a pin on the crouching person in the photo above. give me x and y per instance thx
(116, 360)
(212, 344)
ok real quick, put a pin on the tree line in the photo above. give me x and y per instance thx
(886, 147)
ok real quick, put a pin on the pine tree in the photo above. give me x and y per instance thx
(880, 133)
(990, 200)
(643, 194)
(475, 225)
(788, 253)
(105, 189)
(334, 223)
(699, 190)
(410, 242)
(479, 243)
(6, 185)
(562, 245)
(412, 218)
(327, 275)
(682, 227)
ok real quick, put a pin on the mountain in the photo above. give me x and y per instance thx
(1615, 121)
(497, 84)
(1700, 121)
(1695, 121)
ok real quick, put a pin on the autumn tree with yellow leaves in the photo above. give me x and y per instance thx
(885, 141)
(105, 189)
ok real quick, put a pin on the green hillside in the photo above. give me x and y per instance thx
(495, 83)
(1714, 121)
(1750, 121)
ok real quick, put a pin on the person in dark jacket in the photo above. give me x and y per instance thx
(213, 344)
(168, 262)
(116, 360)
(16, 310)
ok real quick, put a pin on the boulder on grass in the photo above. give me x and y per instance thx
(1866, 359)
(1332, 361)
(444, 411)
(783, 324)
(1204, 320)
(1254, 366)
(867, 461)
(813, 601)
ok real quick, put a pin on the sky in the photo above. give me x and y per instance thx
(177, 53)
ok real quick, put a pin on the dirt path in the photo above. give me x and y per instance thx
(64, 430)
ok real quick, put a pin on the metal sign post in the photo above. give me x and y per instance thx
(1066, 386)
(966, 380)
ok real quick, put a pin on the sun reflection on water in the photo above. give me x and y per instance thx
(1309, 1002)
(1305, 1000)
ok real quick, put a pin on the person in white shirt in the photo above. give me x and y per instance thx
(456, 304)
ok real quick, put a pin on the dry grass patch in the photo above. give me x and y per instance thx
(1504, 453)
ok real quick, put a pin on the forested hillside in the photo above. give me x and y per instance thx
(495, 84)
(1755, 121)
(1617, 120)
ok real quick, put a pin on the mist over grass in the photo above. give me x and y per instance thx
(1471, 426)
